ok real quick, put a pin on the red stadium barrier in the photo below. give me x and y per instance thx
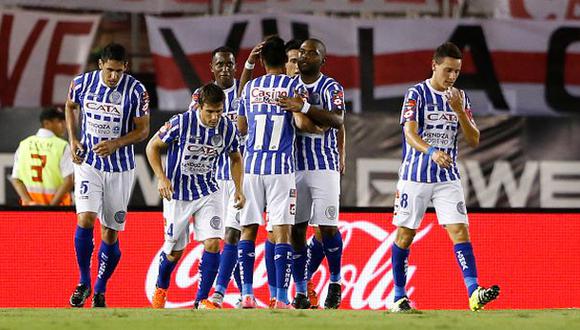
(533, 257)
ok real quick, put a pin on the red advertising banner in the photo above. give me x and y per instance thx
(533, 257)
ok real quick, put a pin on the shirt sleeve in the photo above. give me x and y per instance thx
(15, 174)
(141, 97)
(467, 103)
(410, 105)
(66, 164)
(234, 138)
(74, 89)
(335, 97)
(170, 131)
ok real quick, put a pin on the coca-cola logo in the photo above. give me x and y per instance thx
(366, 281)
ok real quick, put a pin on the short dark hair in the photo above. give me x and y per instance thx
(320, 45)
(211, 94)
(447, 49)
(115, 52)
(51, 113)
(273, 52)
(292, 44)
(222, 49)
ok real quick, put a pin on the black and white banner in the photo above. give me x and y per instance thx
(511, 67)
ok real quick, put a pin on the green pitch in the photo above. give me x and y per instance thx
(127, 319)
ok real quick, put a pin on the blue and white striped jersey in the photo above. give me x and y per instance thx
(107, 113)
(320, 151)
(271, 130)
(437, 125)
(193, 151)
(231, 104)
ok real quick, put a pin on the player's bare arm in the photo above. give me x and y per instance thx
(76, 147)
(304, 124)
(238, 177)
(334, 118)
(252, 60)
(140, 133)
(440, 157)
(153, 151)
(342, 149)
(62, 190)
(470, 132)
(242, 125)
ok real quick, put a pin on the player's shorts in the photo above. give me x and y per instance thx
(412, 199)
(231, 214)
(104, 193)
(208, 223)
(318, 197)
(276, 191)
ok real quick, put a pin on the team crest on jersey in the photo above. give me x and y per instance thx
(216, 222)
(115, 97)
(337, 98)
(216, 140)
(235, 104)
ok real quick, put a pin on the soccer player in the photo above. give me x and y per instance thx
(269, 169)
(43, 168)
(433, 113)
(319, 161)
(195, 141)
(115, 115)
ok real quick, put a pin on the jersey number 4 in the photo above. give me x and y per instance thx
(275, 134)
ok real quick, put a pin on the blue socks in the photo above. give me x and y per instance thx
(270, 267)
(246, 259)
(208, 269)
(315, 256)
(237, 275)
(109, 256)
(399, 261)
(283, 260)
(333, 252)
(228, 261)
(84, 246)
(466, 261)
(165, 269)
(299, 270)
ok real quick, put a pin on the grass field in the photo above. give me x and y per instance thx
(278, 320)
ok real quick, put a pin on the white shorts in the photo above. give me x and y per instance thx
(208, 223)
(104, 193)
(277, 192)
(412, 199)
(231, 214)
(318, 197)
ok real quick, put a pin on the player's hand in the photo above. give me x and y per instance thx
(164, 187)
(105, 148)
(239, 200)
(77, 151)
(255, 53)
(442, 159)
(455, 99)
(292, 104)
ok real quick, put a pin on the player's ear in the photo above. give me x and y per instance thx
(433, 65)
(101, 64)
(323, 61)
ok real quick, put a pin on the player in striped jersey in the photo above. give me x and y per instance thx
(115, 115)
(195, 141)
(320, 159)
(269, 169)
(433, 113)
(223, 68)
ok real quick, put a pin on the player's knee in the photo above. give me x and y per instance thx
(404, 237)
(174, 255)
(328, 231)
(250, 232)
(86, 219)
(299, 236)
(459, 233)
(212, 245)
(282, 234)
(109, 235)
(232, 236)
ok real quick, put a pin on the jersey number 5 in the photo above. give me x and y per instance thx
(38, 168)
(275, 134)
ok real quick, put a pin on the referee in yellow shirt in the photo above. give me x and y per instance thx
(43, 168)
